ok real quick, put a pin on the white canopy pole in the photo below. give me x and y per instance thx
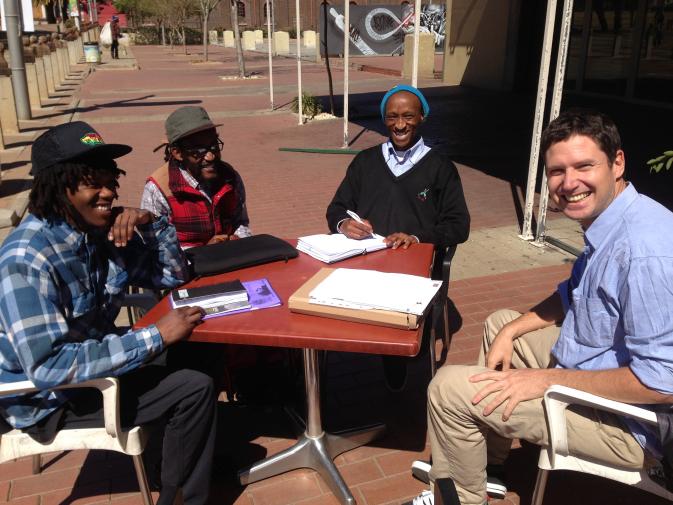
(299, 97)
(557, 95)
(347, 47)
(417, 27)
(526, 231)
(270, 42)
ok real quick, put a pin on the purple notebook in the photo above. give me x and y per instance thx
(260, 294)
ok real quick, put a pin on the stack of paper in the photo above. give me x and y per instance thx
(369, 289)
(337, 247)
(214, 299)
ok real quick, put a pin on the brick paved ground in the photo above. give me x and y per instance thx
(287, 195)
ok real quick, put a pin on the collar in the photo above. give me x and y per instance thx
(604, 224)
(65, 233)
(406, 154)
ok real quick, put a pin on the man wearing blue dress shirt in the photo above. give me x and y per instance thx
(608, 330)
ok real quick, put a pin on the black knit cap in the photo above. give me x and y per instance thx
(76, 141)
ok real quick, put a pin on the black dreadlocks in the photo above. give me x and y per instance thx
(48, 198)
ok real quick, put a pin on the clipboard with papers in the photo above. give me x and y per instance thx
(367, 296)
(337, 247)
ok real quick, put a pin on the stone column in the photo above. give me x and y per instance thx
(426, 56)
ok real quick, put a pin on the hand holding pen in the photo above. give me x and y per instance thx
(356, 227)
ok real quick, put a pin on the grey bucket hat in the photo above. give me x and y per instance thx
(186, 121)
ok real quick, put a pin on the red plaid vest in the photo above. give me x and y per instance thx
(195, 219)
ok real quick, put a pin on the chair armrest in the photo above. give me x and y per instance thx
(145, 300)
(557, 398)
(446, 269)
(108, 386)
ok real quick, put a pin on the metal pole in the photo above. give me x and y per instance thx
(300, 98)
(17, 65)
(270, 42)
(95, 11)
(447, 41)
(347, 44)
(557, 95)
(417, 27)
(311, 374)
(526, 232)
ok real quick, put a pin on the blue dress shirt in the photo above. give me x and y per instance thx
(621, 311)
(400, 162)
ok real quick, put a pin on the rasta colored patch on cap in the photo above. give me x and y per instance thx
(92, 139)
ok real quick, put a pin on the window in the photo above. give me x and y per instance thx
(241, 9)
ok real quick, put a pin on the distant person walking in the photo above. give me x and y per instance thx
(116, 35)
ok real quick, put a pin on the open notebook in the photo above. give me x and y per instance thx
(337, 247)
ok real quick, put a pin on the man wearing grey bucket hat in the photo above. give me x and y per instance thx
(202, 195)
(64, 271)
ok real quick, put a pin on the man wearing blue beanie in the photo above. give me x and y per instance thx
(404, 190)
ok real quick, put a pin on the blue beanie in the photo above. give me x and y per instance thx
(410, 89)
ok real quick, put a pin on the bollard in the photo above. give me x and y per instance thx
(309, 38)
(62, 55)
(248, 41)
(8, 118)
(426, 56)
(228, 38)
(33, 88)
(259, 37)
(281, 42)
(42, 87)
(72, 52)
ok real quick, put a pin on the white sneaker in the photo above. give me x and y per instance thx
(425, 498)
(421, 470)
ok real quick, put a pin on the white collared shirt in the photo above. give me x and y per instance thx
(400, 162)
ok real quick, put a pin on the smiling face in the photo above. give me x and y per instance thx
(581, 180)
(92, 200)
(202, 166)
(402, 118)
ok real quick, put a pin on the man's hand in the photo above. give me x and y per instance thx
(513, 386)
(125, 219)
(400, 239)
(352, 229)
(220, 238)
(179, 323)
(501, 349)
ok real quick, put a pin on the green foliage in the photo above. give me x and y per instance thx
(151, 35)
(665, 160)
(311, 106)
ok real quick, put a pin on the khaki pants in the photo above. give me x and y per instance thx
(462, 439)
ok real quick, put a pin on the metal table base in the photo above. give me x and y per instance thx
(315, 449)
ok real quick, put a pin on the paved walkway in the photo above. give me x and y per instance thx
(128, 100)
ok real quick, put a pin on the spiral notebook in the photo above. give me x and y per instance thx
(337, 247)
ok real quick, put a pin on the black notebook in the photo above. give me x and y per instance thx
(231, 291)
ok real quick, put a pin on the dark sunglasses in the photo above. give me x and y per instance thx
(200, 152)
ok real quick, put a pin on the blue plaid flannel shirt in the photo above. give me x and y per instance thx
(61, 292)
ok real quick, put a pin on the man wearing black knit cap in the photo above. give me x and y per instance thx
(404, 190)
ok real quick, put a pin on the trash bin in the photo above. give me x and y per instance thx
(91, 52)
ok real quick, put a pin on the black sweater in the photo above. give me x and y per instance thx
(426, 201)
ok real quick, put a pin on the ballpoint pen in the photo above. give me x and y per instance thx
(357, 218)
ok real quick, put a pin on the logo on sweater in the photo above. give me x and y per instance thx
(423, 195)
(92, 139)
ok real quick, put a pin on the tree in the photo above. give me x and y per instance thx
(205, 8)
(237, 38)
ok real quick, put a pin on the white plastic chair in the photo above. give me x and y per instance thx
(557, 457)
(17, 444)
